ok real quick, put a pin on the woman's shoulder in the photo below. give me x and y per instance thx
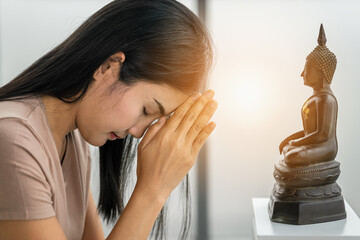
(17, 135)
(24, 167)
(19, 108)
(21, 122)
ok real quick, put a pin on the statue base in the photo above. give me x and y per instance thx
(306, 212)
(307, 194)
(265, 229)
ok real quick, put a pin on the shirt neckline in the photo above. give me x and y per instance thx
(52, 137)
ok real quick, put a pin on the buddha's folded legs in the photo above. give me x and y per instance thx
(309, 154)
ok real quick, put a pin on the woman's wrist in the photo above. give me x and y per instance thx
(151, 193)
(139, 215)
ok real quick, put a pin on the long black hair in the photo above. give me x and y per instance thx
(164, 43)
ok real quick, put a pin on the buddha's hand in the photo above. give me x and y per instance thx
(170, 147)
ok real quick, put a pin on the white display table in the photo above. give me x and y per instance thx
(264, 229)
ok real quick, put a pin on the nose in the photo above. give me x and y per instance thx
(137, 131)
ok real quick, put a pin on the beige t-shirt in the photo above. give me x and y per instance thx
(33, 182)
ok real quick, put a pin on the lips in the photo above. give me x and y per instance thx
(116, 136)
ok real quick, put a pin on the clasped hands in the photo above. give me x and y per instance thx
(170, 147)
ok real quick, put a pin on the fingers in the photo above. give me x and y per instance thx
(202, 120)
(151, 132)
(201, 138)
(193, 113)
(180, 112)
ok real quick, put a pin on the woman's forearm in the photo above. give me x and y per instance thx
(138, 217)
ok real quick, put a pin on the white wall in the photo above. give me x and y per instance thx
(262, 46)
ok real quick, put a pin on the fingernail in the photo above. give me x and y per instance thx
(213, 104)
(196, 96)
(210, 93)
(161, 120)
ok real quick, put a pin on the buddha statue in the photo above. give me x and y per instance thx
(306, 191)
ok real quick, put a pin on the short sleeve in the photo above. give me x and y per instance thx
(25, 193)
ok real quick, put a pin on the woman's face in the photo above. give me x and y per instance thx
(110, 106)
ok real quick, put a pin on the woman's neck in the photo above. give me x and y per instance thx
(61, 118)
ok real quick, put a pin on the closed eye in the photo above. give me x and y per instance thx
(144, 111)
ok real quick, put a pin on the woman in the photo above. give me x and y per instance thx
(132, 62)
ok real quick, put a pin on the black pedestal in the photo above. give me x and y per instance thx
(306, 212)
(306, 195)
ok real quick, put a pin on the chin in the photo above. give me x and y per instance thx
(100, 142)
(96, 142)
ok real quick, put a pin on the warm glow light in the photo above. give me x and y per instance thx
(249, 96)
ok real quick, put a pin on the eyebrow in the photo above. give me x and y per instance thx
(161, 107)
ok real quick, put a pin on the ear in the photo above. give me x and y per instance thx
(114, 60)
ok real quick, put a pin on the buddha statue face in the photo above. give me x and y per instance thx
(312, 77)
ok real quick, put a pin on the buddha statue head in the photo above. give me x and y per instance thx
(320, 64)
